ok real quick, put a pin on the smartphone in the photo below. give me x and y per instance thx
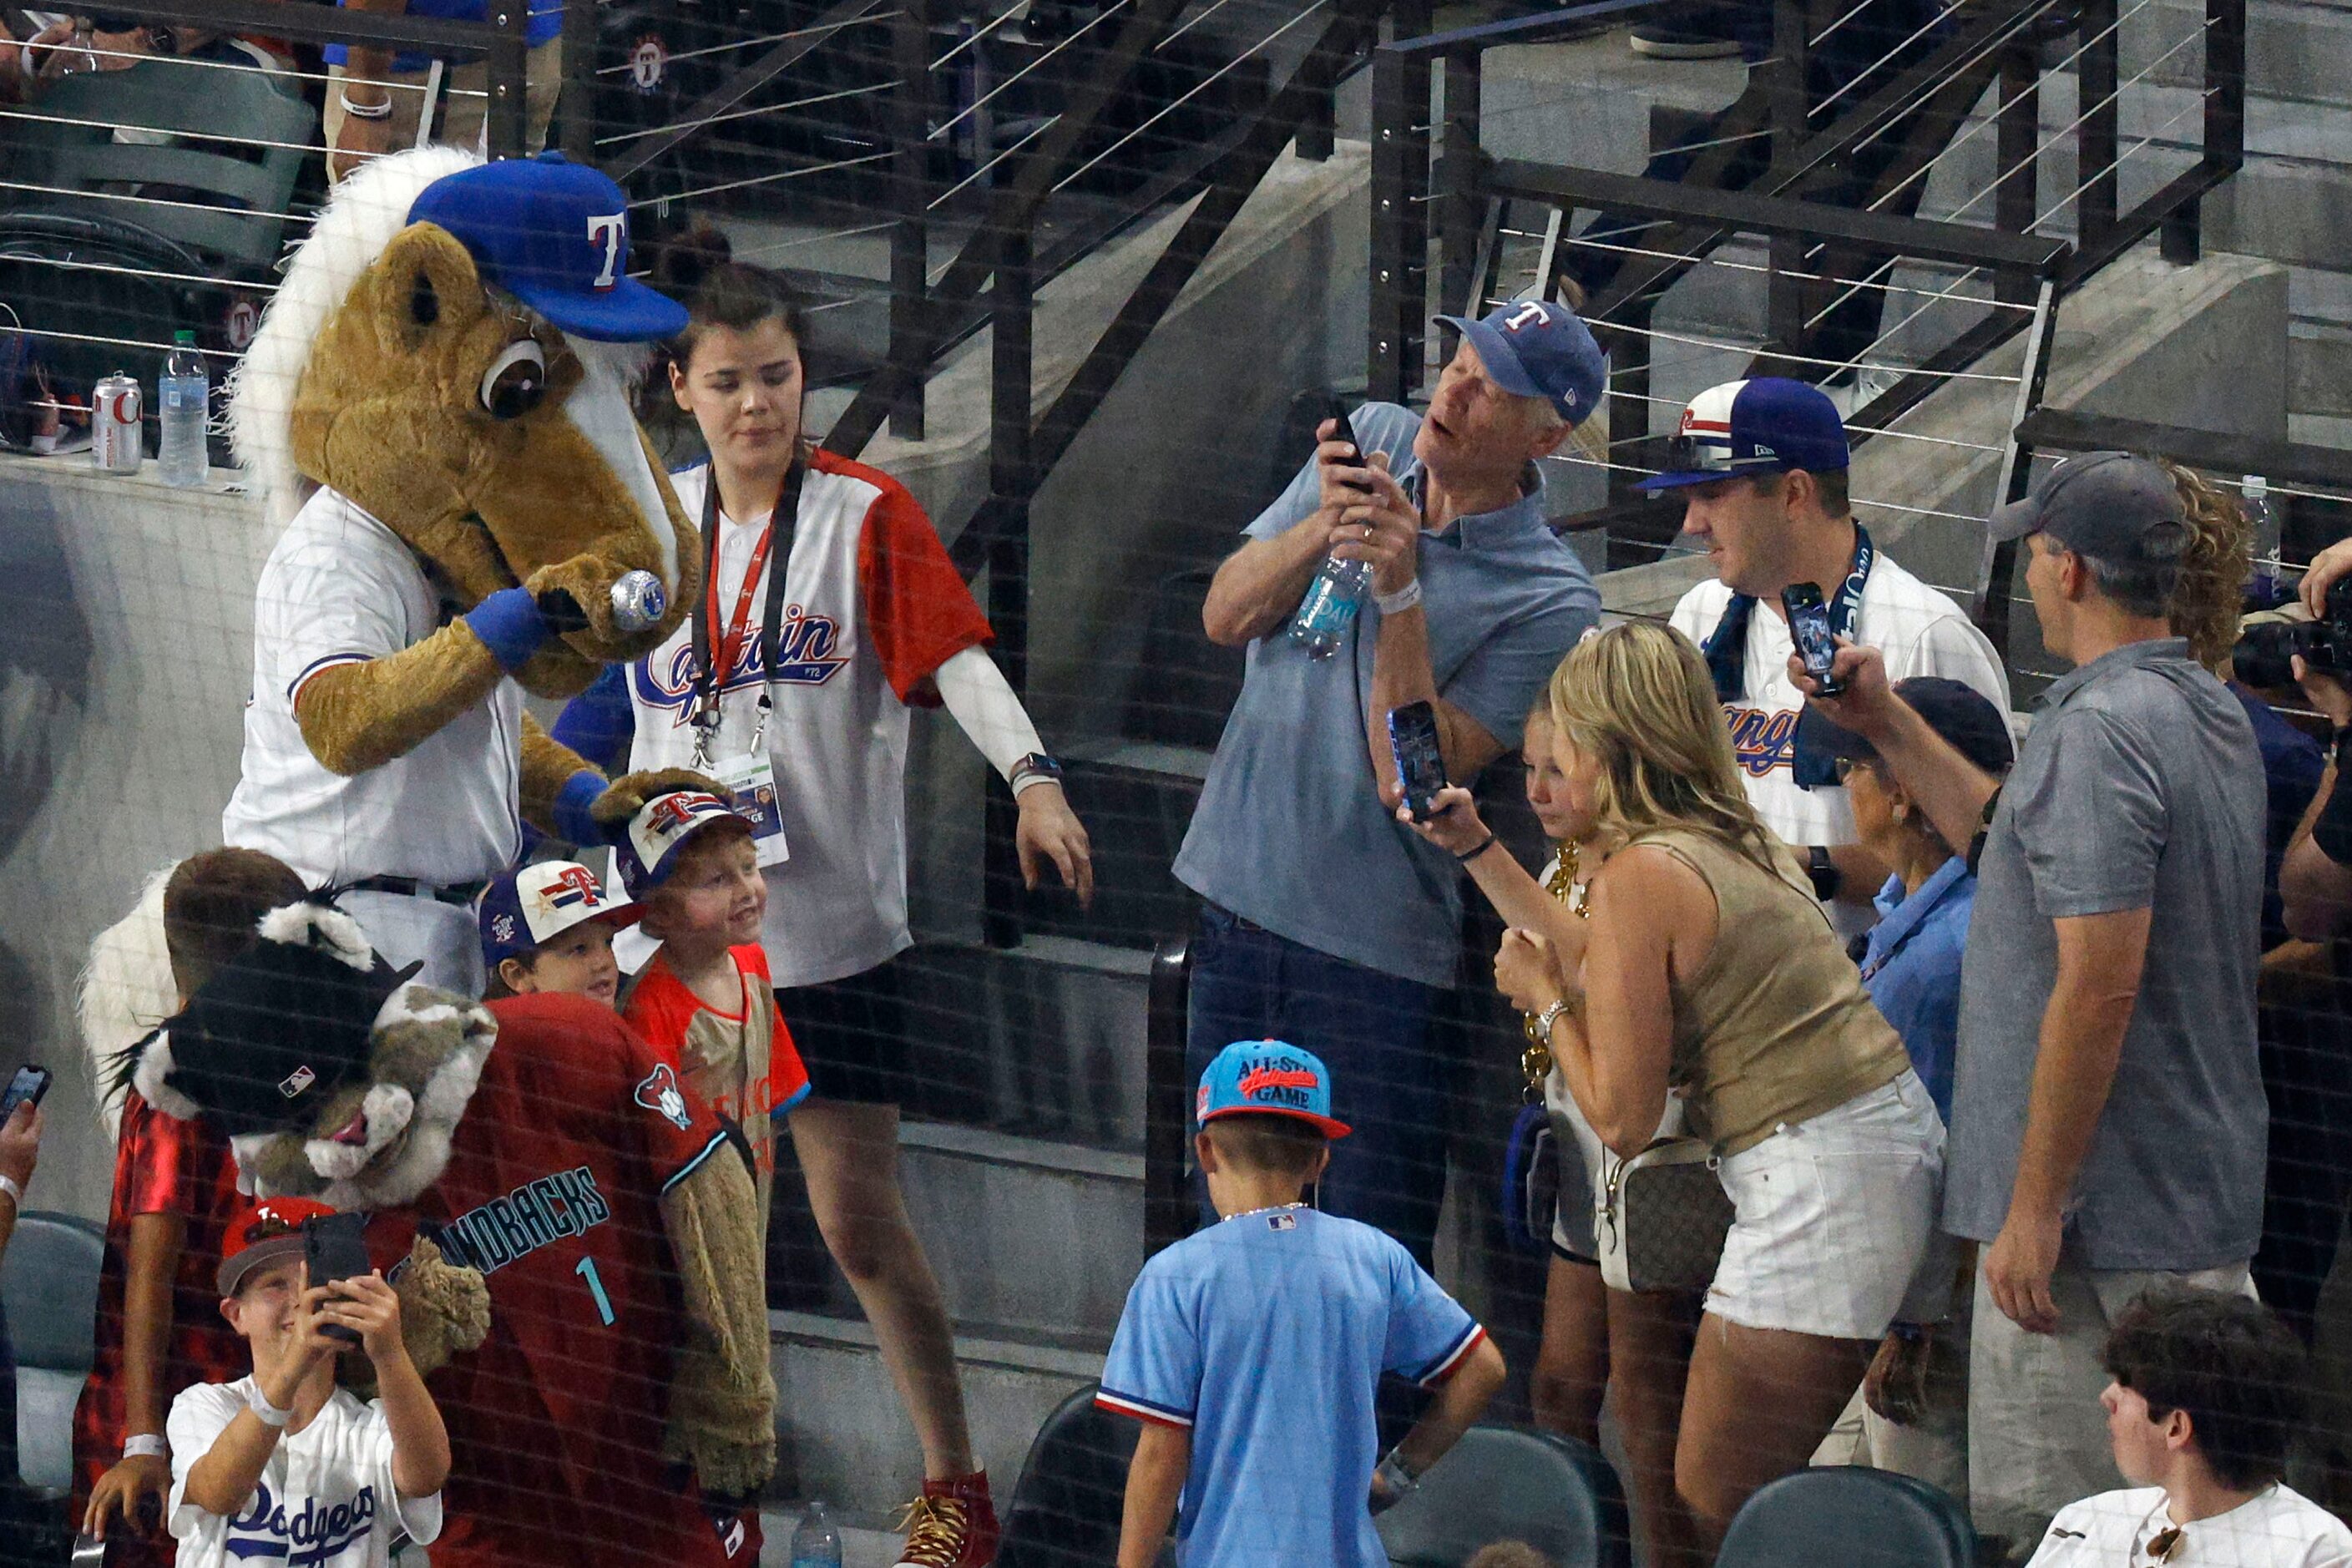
(1808, 625)
(1420, 762)
(30, 1084)
(334, 1247)
(1336, 407)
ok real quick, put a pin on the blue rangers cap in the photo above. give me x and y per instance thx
(1767, 426)
(555, 235)
(1267, 1078)
(530, 906)
(1537, 350)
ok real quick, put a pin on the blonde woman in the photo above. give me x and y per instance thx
(1707, 973)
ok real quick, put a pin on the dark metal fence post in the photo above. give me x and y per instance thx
(910, 239)
(1462, 209)
(2094, 166)
(1011, 484)
(1784, 290)
(2017, 137)
(1168, 1207)
(578, 105)
(508, 64)
(1395, 274)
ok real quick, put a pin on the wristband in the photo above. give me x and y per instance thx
(509, 625)
(365, 111)
(1404, 599)
(269, 1415)
(14, 1190)
(573, 819)
(1476, 850)
(146, 1446)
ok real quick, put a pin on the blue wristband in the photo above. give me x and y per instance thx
(580, 791)
(509, 625)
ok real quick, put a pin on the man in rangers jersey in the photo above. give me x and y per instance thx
(1761, 467)
(610, 1217)
(831, 609)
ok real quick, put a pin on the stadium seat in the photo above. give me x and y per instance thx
(1504, 1483)
(49, 1292)
(1852, 1516)
(71, 147)
(1066, 1508)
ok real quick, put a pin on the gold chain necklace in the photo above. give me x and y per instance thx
(1561, 882)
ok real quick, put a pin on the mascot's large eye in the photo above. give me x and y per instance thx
(516, 380)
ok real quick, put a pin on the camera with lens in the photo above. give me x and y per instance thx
(2267, 644)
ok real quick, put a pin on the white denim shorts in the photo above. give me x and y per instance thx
(1834, 1217)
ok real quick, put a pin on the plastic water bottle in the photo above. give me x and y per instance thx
(1330, 606)
(2263, 526)
(817, 1544)
(184, 403)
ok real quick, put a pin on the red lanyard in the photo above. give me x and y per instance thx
(730, 642)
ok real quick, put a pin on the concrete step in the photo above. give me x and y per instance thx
(2293, 50)
(843, 1437)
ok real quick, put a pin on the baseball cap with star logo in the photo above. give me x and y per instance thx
(1268, 1078)
(648, 851)
(532, 905)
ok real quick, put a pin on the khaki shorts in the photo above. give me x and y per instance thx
(464, 107)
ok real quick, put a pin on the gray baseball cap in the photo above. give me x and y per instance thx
(2108, 504)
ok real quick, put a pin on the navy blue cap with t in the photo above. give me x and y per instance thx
(1968, 721)
(1768, 425)
(1535, 350)
(555, 235)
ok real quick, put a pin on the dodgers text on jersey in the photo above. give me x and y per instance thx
(264, 1532)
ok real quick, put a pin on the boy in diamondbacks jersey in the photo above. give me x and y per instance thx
(158, 1327)
(704, 998)
(1250, 1350)
(549, 926)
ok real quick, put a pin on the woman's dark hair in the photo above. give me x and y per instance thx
(2229, 1364)
(696, 267)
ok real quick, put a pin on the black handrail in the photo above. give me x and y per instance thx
(1169, 1209)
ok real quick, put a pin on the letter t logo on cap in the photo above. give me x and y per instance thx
(610, 230)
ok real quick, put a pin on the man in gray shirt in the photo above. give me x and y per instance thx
(1327, 922)
(2108, 1122)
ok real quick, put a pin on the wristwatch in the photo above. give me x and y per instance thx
(1827, 877)
(1034, 768)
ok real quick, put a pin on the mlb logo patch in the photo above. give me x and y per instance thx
(294, 1082)
(1283, 1221)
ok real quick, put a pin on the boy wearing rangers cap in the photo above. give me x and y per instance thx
(550, 926)
(283, 1463)
(1249, 1351)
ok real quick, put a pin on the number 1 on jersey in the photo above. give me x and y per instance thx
(587, 1270)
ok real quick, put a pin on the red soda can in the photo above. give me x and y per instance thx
(117, 444)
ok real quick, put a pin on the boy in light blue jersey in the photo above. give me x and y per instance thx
(1250, 1350)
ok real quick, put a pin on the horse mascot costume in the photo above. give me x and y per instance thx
(434, 412)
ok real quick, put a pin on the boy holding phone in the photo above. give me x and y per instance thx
(282, 1465)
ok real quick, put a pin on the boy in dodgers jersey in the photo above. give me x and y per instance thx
(1250, 1350)
(282, 1463)
(1761, 467)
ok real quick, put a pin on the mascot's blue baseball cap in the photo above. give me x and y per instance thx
(1765, 426)
(555, 235)
(1267, 1078)
(1537, 349)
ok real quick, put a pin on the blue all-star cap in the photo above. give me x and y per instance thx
(1267, 1078)
(555, 235)
(1765, 426)
(1539, 349)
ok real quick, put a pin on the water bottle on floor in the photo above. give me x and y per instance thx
(184, 403)
(817, 1544)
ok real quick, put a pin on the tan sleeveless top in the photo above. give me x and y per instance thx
(1775, 1028)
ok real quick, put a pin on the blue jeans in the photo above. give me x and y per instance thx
(1372, 1031)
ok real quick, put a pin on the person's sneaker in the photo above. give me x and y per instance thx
(951, 1525)
(1662, 40)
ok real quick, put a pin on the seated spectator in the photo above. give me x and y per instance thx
(20, 1151)
(2108, 1117)
(2205, 1394)
(1710, 971)
(376, 99)
(159, 1327)
(1635, 1346)
(1250, 1350)
(282, 1463)
(1914, 1406)
(549, 926)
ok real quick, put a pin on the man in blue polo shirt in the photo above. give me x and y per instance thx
(375, 100)
(1327, 922)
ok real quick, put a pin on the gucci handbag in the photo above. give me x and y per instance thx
(1661, 1219)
